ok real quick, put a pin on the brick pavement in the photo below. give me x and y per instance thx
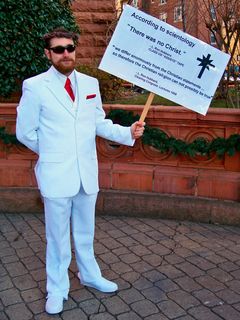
(165, 270)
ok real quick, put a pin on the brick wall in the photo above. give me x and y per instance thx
(95, 18)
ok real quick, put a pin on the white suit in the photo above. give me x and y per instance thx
(64, 139)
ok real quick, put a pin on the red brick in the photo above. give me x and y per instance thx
(128, 177)
(175, 180)
(105, 175)
(220, 185)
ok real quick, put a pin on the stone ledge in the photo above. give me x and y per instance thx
(135, 204)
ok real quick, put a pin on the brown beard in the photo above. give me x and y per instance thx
(65, 69)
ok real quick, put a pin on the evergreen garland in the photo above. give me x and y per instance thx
(158, 139)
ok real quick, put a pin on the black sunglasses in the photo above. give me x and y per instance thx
(60, 49)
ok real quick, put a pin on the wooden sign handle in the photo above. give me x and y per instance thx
(147, 106)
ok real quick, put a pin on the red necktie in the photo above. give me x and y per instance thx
(69, 89)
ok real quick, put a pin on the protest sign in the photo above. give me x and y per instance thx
(164, 60)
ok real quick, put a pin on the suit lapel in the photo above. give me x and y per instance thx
(82, 89)
(56, 88)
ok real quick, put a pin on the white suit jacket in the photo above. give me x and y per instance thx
(64, 139)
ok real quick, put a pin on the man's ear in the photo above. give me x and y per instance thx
(47, 53)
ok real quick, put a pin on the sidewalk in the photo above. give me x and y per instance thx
(165, 269)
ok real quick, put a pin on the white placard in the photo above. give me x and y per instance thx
(164, 60)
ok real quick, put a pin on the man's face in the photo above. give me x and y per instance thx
(64, 62)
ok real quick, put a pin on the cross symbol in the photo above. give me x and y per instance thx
(205, 63)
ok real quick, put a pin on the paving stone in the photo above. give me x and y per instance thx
(159, 249)
(25, 252)
(115, 305)
(227, 312)
(229, 255)
(10, 296)
(121, 267)
(208, 298)
(154, 276)
(20, 244)
(183, 299)
(39, 274)
(234, 285)
(75, 314)
(228, 266)
(128, 241)
(142, 283)
(216, 259)
(154, 294)
(186, 318)
(188, 284)
(92, 306)
(121, 251)
(81, 295)
(5, 283)
(153, 259)
(131, 295)
(158, 316)
(37, 306)
(109, 257)
(141, 266)
(140, 250)
(170, 271)
(32, 263)
(131, 276)
(3, 271)
(171, 309)
(8, 251)
(204, 313)
(190, 269)
(18, 312)
(167, 285)
(200, 262)
(32, 295)
(24, 282)
(220, 275)
(102, 316)
(100, 248)
(228, 296)
(236, 274)
(210, 283)
(16, 269)
(116, 233)
(130, 258)
(122, 284)
(36, 246)
(9, 259)
(3, 316)
(144, 308)
(173, 259)
(143, 239)
(129, 316)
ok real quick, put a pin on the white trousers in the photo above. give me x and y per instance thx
(80, 210)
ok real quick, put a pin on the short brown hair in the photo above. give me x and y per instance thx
(59, 33)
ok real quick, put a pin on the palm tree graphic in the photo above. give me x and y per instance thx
(205, 63)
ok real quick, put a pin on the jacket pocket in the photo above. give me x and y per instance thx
(51, 157)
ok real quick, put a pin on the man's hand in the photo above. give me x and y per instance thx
(137, 129)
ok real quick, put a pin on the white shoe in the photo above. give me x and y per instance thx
(54, 304)
(100, 284)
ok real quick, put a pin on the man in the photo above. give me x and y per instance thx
(58, 117)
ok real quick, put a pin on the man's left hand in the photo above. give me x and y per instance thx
(137, 129)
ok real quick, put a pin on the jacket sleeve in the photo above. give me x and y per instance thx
(106, 129)
(27, 122)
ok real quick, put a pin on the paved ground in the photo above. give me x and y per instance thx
(165, 270)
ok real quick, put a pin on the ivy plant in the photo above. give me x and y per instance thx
(22, 25)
